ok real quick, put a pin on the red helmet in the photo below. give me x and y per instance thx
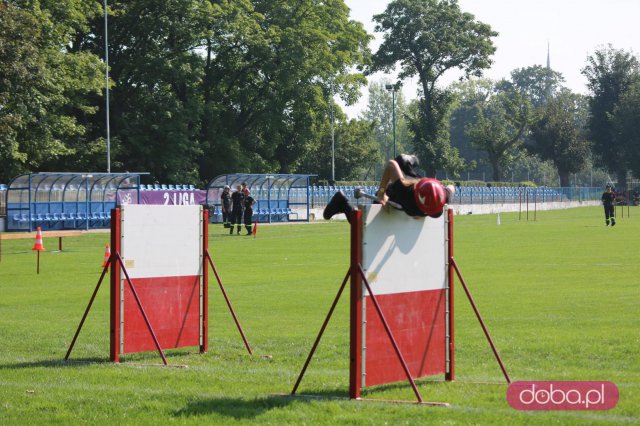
(430, 196)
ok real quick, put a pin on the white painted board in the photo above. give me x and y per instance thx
(403, 254)
(161, 241)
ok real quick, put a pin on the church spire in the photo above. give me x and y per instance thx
(547, 91)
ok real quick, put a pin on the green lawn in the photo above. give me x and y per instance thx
(560, 296)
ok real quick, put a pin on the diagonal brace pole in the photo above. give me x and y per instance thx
(224, 293)
(484, 328)
(144, 314)
(393, 341)
(86, 312)
(324, 326)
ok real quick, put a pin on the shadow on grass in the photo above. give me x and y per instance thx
(242, 409)
(236, 408)
(131, 360)
(55, 363)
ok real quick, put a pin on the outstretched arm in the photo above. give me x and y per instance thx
(391, 174)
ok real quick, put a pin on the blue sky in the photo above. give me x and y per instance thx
(573, 29)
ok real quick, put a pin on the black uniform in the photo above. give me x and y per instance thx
(237, 199)
(608, 199)
(248, 212)
(226, 208)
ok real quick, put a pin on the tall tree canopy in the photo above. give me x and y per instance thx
(428, 38)
(610, 73)
(46, 86)
(501, 123)
(229, 85)
(559, 135)
(625, 124)
(198, 87)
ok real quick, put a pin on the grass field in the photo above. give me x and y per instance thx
(560, 296)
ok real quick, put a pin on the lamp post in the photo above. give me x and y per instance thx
(393, 88)
(333, 141)
(106, 61)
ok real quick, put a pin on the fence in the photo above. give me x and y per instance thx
(320, 195)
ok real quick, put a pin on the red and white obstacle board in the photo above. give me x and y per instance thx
(162, 250)
(159, 280)
(405, 263)
(401, 300)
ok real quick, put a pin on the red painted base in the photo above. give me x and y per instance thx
(172, 305)
(417, 321)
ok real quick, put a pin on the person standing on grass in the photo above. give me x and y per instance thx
(248, 210)
(237, 209)
(608, 199)
(225, 201)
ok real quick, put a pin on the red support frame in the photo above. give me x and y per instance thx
(450, 374)
(114, 293)
(355, 329)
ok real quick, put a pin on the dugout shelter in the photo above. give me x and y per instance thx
(279, 197)
(54, 201)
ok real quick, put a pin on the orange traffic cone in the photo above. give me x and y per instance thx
(107, 256)
(38, 245)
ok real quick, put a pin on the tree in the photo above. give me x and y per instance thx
(428, 38)
(538, 83)
(468, 94)
(46, 88)
(356, 153)
(610, 74)
(625, 124)
(558, 136)
(272, 69)
(500, 127)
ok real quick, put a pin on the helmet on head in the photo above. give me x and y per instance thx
(430, 196)
(226, 187)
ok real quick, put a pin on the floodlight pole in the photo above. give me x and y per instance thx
(106, 61)
(393, 88)
(333, 140)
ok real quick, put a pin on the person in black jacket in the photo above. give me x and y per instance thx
(608, 198)
(237, 209)
(248, 211)
(225, 201)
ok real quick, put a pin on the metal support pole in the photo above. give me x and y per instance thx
(324, 326)
(388, 330)
(224, 293)
(484, 328)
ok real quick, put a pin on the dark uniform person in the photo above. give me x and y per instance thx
(608, 198)
(400, 184)
(237, 201)
(248, 210)
(225, 199)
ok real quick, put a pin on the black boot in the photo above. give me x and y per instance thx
(338, 204)
(613, 221)
(230, 229)
(239, 227)
(248, 229)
